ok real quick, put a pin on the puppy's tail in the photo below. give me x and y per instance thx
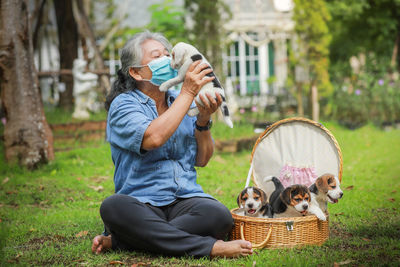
(225, 113)
(277, 183)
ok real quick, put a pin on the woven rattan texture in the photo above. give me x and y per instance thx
(306, 230)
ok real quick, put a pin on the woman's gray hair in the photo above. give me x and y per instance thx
(132, 53)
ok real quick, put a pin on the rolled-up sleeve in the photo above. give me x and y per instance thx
(127, 123)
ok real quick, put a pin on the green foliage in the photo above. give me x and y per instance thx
(50, 216)
(363, 26)
(207, 32)
(168, 19)
(371, 95)
(311, 18)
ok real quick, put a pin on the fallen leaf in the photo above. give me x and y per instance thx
(32, 230)
(11, 192)
(116, 262)
(5, 180)
(349, 187)
(134, 265)
(394, 191)
(335, 264)
(97, 188)
(82, 233)
(1, 220)
(41, 187)
(338, 214)
(392, 199)
(345, 262)
(366, 239)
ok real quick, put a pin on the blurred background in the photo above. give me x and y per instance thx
(328, 60)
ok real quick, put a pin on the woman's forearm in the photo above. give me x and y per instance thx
(205, 147)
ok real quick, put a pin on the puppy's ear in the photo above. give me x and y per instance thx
(239, 199)
(286, 195)
(262, 194)
(263, 197)
(320, 182)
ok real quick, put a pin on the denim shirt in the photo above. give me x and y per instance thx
(157, 176)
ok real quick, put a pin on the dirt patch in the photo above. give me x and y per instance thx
(81, 126)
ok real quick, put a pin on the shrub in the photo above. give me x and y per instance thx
(372, 94)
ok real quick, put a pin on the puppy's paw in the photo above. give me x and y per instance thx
(163, 87)
(321, 217)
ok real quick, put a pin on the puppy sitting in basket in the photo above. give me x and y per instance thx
(325, 189)
(252, 202)
(292, 201)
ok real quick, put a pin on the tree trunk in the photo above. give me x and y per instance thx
(68, 48)
(314, 102)
(299, 95)
(28, 139)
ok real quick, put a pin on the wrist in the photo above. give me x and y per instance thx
(187, 93)
(203, 121)
(205, 127)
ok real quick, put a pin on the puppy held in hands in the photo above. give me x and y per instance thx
(292, 201)
(325, 189)
(183, 55)
(253, 201)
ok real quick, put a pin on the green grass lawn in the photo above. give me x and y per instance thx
(49, 216)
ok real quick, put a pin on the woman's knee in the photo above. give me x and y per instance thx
(219, 216)
(112, 204)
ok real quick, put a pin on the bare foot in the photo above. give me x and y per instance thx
(231, 249)
(101, 243)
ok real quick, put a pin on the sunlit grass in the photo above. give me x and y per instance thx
(49, 216)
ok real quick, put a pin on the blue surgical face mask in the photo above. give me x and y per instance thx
(161, 70)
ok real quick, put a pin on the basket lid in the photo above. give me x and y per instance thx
(296, 150)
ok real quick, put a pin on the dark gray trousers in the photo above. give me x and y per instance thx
(185, 227)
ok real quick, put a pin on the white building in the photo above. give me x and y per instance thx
(258, 56)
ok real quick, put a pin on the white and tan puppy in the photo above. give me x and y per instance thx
(183, 55)
(325, 189)
(253, 202)
(292, 201)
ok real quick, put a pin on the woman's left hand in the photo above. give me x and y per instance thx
(209, 107)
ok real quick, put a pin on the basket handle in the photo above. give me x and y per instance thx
(249, 175)
(260, 245)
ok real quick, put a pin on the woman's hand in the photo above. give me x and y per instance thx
(211, 105)
(196, 78)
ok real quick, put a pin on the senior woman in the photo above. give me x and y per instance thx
(158, 206)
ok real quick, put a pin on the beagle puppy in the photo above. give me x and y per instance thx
(325, 189)
(292, 201)
(253, 202)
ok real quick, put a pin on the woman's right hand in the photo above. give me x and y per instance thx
(196, 78)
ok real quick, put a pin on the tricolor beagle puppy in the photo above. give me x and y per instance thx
(292, 201)
(325, 189)
(254, 203)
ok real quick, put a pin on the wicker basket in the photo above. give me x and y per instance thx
(293, 231)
